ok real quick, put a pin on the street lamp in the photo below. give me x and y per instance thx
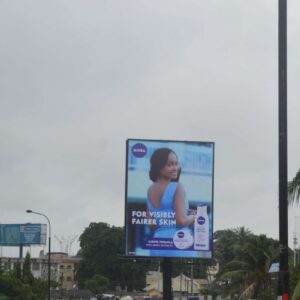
(283, 153)
(29, 211)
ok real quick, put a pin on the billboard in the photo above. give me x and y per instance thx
(169, 198)
(23, 234)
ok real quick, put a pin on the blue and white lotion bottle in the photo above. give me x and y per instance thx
(201, 229)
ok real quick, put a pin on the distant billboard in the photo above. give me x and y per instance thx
(23, 234)
(169, 198)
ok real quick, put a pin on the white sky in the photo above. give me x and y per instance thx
(77, 78)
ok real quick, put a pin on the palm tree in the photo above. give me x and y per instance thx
(247, 274)
(294, 189)
(294, 197)
(296, 292)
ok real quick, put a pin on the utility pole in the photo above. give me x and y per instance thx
(283, 284)
(167, 278)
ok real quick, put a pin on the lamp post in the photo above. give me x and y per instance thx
(282, 137)
(29, 211)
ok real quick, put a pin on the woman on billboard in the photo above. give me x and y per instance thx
(166, 202)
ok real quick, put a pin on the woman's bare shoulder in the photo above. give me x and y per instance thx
(179, 189)
(151, 189)
(179, 186)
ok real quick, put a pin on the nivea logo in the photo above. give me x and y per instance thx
(139, 150)
(180, 234)
(201, 220)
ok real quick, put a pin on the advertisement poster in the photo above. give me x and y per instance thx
(23, 234)
(169, 198)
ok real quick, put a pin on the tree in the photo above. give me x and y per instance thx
(98, 284)
(18, 271)
(245, 263)
(294, 197)
(296, 294)
(40, 288)
(224, 241)
(27, 276)
(294, 281)
(13, 288)
(102, 250)
(294, 189)
(14, 285)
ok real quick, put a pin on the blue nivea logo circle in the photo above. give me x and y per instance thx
(180, 234)
(201, 220)
(139, 150)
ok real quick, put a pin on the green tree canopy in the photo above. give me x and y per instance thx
(102, 251)
(98, 284)
(294, 189)
(27, 276)
(21, 285)
(245, 260)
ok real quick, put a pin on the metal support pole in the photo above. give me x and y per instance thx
(167, 278)
(21, 251)
(49, 249)
(192, 277)
(49, 266)
(283, 286)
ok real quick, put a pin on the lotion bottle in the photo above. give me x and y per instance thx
(201, 229)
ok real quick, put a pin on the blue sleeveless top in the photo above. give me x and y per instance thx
(166, 212)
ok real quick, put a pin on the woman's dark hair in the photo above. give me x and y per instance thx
(158, 160)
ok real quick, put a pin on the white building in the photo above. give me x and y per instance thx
(63, 267)
(181, 285)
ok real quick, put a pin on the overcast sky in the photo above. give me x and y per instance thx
(77, 78)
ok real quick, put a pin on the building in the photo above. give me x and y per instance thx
(63, 267)
(212, 272)
(182, 285)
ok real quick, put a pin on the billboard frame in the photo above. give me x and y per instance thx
(211, 202)
(25, 234)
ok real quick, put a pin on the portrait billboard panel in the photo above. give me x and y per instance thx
(169, 198)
